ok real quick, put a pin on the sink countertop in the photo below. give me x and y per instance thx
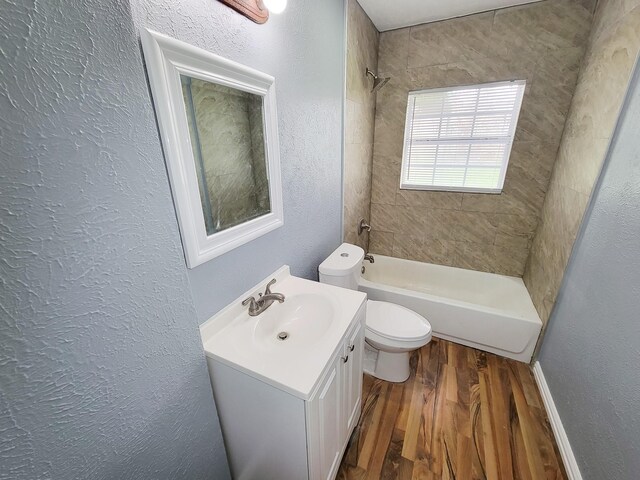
(295, 366)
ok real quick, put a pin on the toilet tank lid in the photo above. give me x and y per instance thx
(342, 260)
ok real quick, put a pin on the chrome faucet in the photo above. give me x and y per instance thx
(264, 301)
(363, 226)
(369, 258)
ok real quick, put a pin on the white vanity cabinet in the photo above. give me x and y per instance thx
(334, 409)
(287, 412)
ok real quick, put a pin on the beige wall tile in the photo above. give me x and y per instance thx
(607, 13)
(411, 221)
(552, 245)
(579, 162)
(530, 228)
(391, 110)
(473, 227)
(408, 246)
(542, 43)
(389, 149)
(357, 190)
(630, 5)
(362, 52)
(449, 41)
(533, 277)
(382, 218)
(358, 172)
(525, 190)
(440, 252)
(350, 122)
(556, 74)
(507, 202)
(401, 220)
(350, 232)
(541, 117)
(385, 179)
(438, 223)
(504, 260)
(479, 70)
(534, 160)
(423, 249)
(352, 237)
(381, 242)
(604, 78)
(393, 52)
(429, 200)
(612, 49)
(521, 242)
(517, 225)
(534, 29)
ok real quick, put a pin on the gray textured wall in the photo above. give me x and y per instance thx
(591, 353)
(101, 365)
(102, 372)
(303, 50)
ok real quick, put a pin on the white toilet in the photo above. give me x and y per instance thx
(391, 330)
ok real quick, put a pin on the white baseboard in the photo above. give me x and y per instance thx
(570, 464)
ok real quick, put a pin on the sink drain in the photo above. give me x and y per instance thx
(283, 336)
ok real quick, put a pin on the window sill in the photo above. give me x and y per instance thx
(423, 188)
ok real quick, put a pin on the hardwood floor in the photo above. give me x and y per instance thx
(463, 414)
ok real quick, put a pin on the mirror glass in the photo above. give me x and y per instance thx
(226, 127)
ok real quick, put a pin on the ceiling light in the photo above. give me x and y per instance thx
(275, 6)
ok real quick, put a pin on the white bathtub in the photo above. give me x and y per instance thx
(482, 310)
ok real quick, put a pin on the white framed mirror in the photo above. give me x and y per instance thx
(218, 125)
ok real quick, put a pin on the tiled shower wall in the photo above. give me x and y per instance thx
(543, 43)
(613, 47)
(362, 53)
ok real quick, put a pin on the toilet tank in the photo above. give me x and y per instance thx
(342, 267)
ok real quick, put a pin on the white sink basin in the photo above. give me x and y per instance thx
(312, 320)
(298, 322)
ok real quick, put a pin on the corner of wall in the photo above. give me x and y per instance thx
(566, 452)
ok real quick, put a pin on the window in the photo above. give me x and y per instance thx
(459, 139)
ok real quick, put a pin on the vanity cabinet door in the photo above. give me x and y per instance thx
(354, 351)
(326, 409)
(334, 409)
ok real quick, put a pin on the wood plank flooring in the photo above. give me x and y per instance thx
(463, 414)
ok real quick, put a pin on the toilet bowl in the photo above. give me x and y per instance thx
(391, 330)
(394, 331)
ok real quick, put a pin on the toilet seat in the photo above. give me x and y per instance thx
(392, 331)
(395, 322)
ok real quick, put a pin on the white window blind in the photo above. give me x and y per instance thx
(459, 139)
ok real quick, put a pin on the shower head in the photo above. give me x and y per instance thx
(378, 82)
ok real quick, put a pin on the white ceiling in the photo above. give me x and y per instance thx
(390, 14)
